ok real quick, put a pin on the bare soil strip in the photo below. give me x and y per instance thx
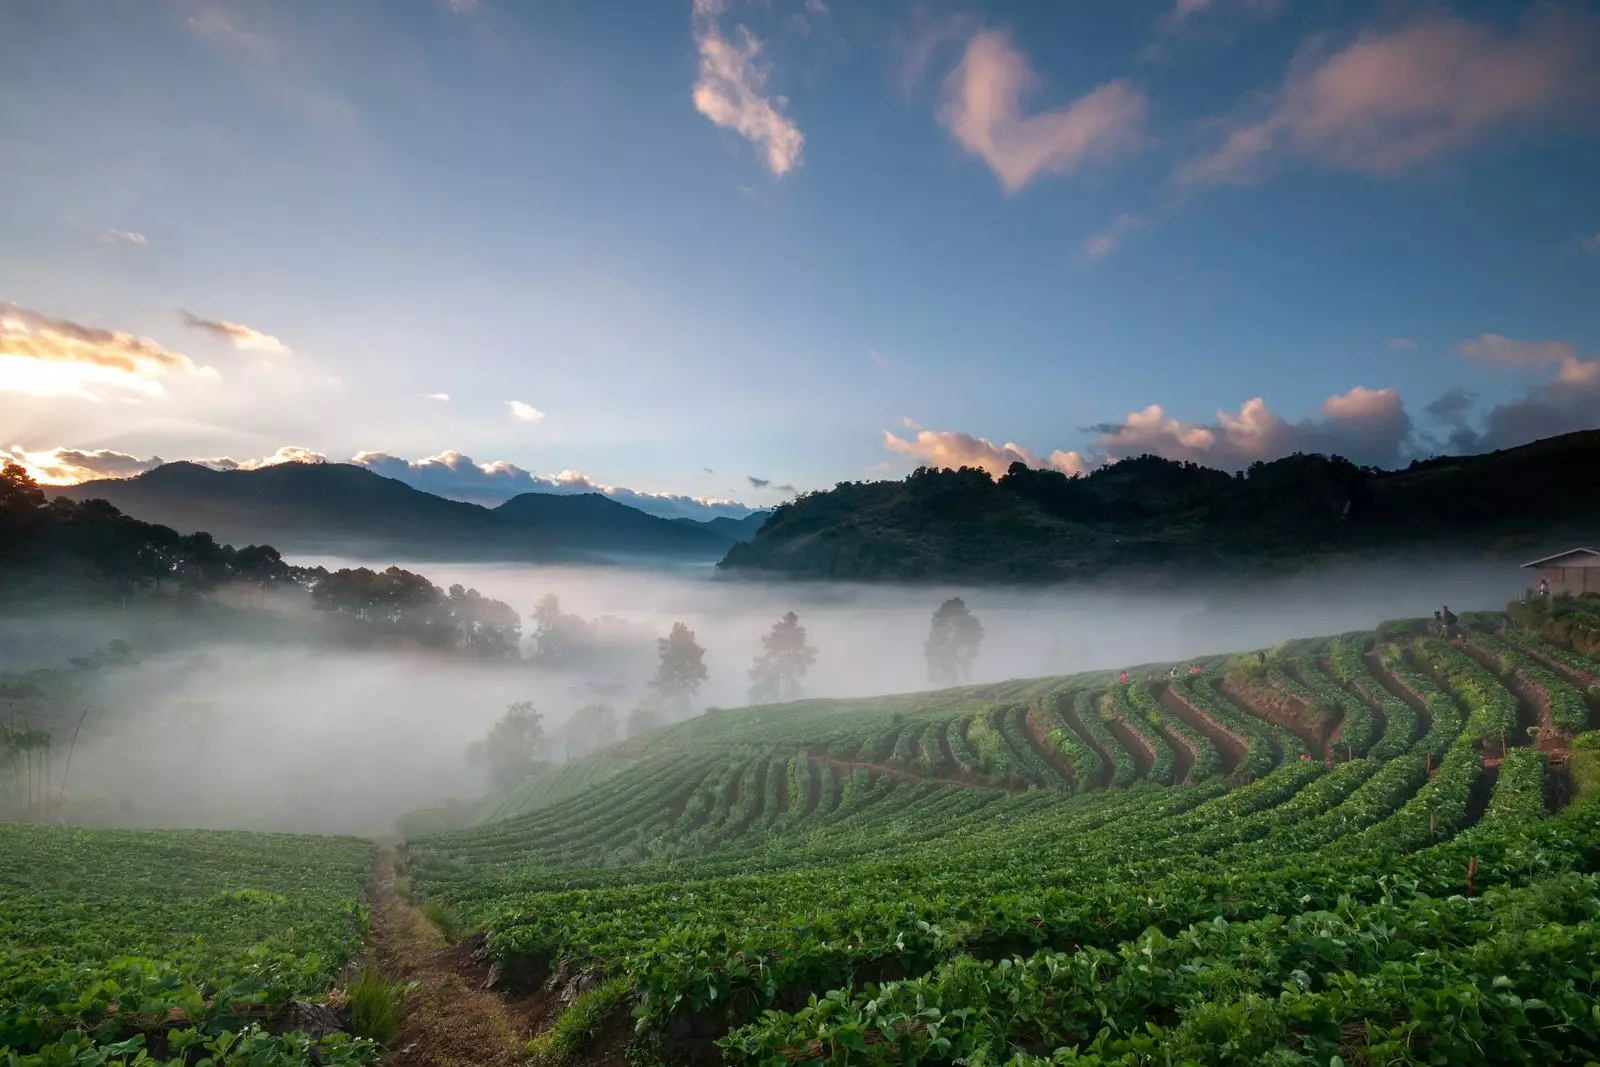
(451, 1019)
(1039, 738)
(1231, 748)
(1069, 712)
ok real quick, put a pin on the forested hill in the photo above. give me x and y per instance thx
(342, 508)
(1150, 515)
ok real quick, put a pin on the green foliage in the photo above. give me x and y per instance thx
(510, 751)
(103, 929)
(954, 637)
(377, 1006)
(680, 671)
(785, 658)
(446, 918)
(569, 1036)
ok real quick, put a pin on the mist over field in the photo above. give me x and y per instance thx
(274, 730)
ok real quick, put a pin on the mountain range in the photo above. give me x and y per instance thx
(343, 509)
(1156, 518)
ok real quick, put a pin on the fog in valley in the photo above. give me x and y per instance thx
(272, 728)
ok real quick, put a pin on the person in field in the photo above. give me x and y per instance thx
(1544, 588)
(1124, 678)
(1448, 617)
(1173, 673)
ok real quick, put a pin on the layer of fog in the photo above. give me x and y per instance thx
(276, 734)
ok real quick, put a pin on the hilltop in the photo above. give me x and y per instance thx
(1154, 515)
(340, 508)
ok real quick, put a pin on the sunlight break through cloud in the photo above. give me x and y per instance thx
(41, 356)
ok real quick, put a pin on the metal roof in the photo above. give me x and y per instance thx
(1563, 555)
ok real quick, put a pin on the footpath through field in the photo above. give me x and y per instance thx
(451, 1020)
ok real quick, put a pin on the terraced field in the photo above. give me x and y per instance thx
(1364, 849)
(1348, 850)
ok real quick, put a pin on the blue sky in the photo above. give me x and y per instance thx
(791, 240)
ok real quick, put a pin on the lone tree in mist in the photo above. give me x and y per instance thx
(785, 658)
(680, 672)
(510, 751)
(645, 716)
(592, 727)
(952, 643)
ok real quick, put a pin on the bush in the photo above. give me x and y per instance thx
(446, 918)
(377, 1006)
(574, 1028)
(1400, 629)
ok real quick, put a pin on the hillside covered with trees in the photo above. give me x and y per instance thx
(1156, 514)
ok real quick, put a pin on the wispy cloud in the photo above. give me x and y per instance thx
(43, 356)
(286, 454)
(1104, 242)
(461, 7)
(730, 89)
(983, 111)
(524, 412)
(1388, 101)
(436, 396)
(122, 237)
(918, 42)
(238, 335)
(758, 483)
(1401, 344)
(1493, 349)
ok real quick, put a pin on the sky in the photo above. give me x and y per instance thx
(707, 254)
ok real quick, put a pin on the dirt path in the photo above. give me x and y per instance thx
(1581, 679)
(1287, 717)
(1533, 703)
(1038, 733)
(1069, 712)
(451, 1019)
(1400, 692)
(1231, 748)
(1144, 757)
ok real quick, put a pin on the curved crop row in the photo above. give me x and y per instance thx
(1207, 761)
(1349, 665)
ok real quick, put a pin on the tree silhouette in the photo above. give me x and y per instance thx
(510, 751)
(785, 658)
(680, 672)
(952, 643)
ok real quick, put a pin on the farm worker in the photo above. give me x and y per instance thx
(1124, 678)
(1194, 668)
(1438, 623)
(1544, 587)
(1261, 656)
(1173, 673)
(1449, 620)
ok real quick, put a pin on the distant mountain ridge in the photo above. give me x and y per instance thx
(341, 508)
(1148, 517)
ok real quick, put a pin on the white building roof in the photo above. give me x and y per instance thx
(1589, 556)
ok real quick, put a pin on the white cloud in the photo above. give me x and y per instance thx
(729, 90)
(983, 111)
(116, 237)
(237, 335)
(443, 397)
(1391, 100)
(286, 454)
(45, 357)
(458, 476)
(954, 449)
(1363, 425)
(1104, 242)
(524, 412)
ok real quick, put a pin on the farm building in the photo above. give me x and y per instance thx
(1575, 571)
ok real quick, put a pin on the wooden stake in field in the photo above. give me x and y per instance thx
(1430, 825)
(1472, 869)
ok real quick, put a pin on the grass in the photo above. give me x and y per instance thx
(576, 1027)
(446, 918)
(377, 1006)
